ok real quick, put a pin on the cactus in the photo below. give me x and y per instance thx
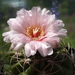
(59, 63)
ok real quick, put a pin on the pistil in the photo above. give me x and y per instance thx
(35, 31)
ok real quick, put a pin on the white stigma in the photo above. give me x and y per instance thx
(35, 31)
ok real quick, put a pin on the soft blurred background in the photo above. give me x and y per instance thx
(63, 9)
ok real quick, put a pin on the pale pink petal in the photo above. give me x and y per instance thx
(54, 26)
(50, 34)
(59, 23)
(14, 25)
(9, 32)
(19, 38)
(36, 10)
(30, 12)
(6, 39)
(35, 18)
(18, 46)
(51, 19)
(12, 46)
(22, 21)
(45, 11)
(21, 17)
(50, 52)
(62, 33)
(36, 44)
(54, 41)
(45, 49)
(21, 12)
(15, 37)
(7, 35)
(48, 23)
(29, 50)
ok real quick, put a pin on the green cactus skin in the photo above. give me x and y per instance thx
(42, 65)
(16, 68)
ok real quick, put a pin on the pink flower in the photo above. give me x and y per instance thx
(34, 30)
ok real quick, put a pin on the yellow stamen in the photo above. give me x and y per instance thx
(34, 32)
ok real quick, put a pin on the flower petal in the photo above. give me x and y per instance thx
(62, 33)
(7, 35)
(21, 12)
(14, 25)
(18, 46)
(19, 38)
(45, 49)
(49, 35)
(54, 41)
(45, 11)
(29, 50)
(23, 17)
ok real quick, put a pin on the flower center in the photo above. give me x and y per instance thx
(34, 32)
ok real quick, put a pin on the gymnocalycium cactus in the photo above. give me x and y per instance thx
(35, 36)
